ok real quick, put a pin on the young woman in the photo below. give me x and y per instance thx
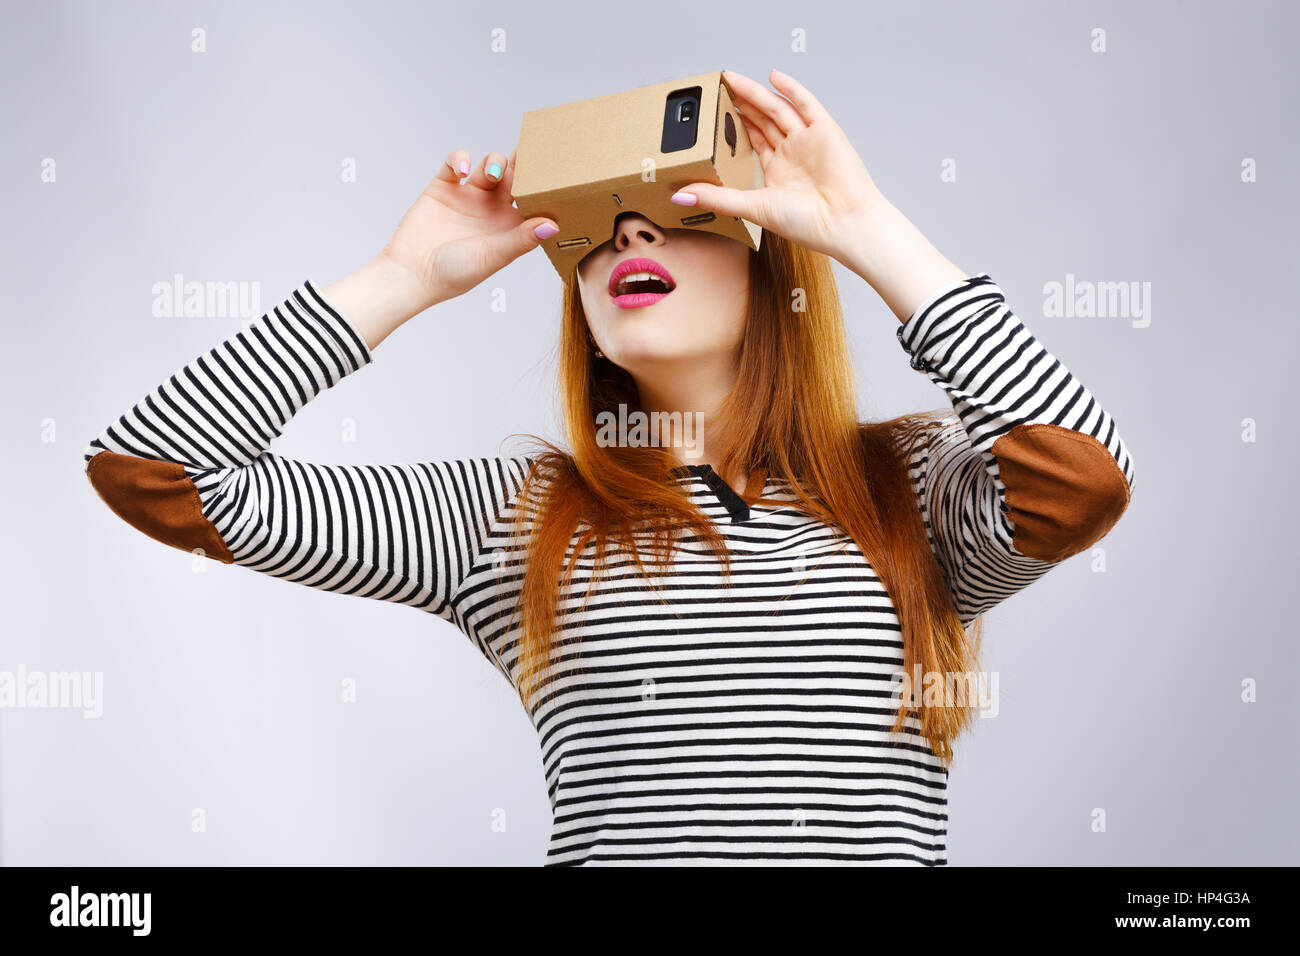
(715, 649)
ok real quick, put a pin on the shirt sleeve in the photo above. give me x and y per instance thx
(188, 465)
(1028, 470)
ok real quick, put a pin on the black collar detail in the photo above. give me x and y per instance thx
(725, 494)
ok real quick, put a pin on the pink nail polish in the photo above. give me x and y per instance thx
(545, 231)
(464, 167)
(684, 199)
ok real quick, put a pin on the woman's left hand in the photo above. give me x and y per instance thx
(816, 192)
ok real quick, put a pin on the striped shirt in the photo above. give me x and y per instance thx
(712, 721)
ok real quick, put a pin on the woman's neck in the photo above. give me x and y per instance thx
(692, 401)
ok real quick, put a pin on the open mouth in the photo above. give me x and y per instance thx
(639, 282)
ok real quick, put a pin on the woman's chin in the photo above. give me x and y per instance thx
(649, 354)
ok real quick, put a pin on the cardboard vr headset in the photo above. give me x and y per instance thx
(584, 163)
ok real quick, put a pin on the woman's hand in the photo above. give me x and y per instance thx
(818, 193)
(453, 237)
(815, 183)
(457, 234)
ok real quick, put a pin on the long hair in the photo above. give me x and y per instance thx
(791, 416)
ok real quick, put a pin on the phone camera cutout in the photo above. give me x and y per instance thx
(682, 120)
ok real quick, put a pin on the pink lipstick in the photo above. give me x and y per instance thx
(639, 282)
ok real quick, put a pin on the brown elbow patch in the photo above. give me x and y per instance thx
(158, 498)
(1064, 490)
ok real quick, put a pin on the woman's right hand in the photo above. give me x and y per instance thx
(457, 234)
(450, 240)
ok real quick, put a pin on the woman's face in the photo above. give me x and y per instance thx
(643, 330)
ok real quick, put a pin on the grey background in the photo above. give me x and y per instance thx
(1119, 690)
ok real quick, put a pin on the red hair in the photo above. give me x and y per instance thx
(792, 416)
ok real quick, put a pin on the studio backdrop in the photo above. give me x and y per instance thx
(1128, 173)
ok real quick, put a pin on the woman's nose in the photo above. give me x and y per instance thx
(632, 227)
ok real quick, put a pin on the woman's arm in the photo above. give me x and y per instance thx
(189, 463)
(1029, 470)
(883, 247)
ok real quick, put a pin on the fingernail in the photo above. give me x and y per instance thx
(545, 230)
(464, 167)
(684, 199)
(494, 171)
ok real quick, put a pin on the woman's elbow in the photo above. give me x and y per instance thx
(159, 499)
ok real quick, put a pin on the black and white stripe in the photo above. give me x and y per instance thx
(997, 376)
(701, 722)
(401, 533)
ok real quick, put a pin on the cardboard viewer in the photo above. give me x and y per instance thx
(583, 163)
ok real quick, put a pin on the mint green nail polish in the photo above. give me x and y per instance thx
(494, 170)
